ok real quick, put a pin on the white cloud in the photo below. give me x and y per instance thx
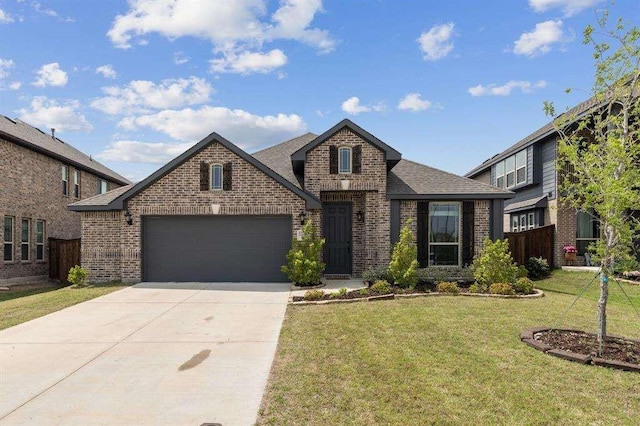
(107, 71)
(15, 85)
(49, 113)
(569, 7)
(5, 18)
(352, 106)
(435, 43)
(506, 89)
(50, 12)
(142, 152)
(248, 62)
(50, 75)
(413, 102)
(241, 127)
(233, 27)
(139, 96)
(540, 40)
(5, 66)
(179, 58)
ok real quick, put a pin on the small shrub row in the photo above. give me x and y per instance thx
(381, 287)
(448, 287)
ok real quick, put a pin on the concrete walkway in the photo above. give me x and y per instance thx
(154, 353)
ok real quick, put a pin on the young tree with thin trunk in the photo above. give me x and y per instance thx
(599, 152)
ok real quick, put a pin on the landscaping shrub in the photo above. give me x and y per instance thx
(501, 288)
(522, 272)
(364, 292)
(477, 288)
(78, 276)
(448, 287)
(375, 273)
(524, 286)
(340, 293)
(404, 259)
(381, 287)
(627, 265)
(303, 266)
(495, 264)
(311, 295)
(444, 273)
(537, 267)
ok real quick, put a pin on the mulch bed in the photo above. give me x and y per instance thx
(615, 348)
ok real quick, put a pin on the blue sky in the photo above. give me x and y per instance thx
(135, 83)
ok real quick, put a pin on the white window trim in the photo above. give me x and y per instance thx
(522, 167)
(213, 166)
(531, 220)
(11, 242)
(76, 183)
(515, 223)
(459, 243)
(340, 149)
(523, 222)
(65, 180)
(28, 242)
(515, 170)
(100, 185)
(44, 228)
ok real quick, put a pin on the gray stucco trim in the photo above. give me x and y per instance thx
(120, 202)
(470, 196)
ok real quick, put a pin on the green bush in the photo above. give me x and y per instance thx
(313, 295)
(626, 265)
(404, 263)
(381, 287)
(340, 293)
(444, 273)
(448, 287)
(364, 292)
(501, 288)
(522, 272)
(304, 267)
(78, 276)
(477, 288)
(375, 273)
(537, 267)
(495, 264)
(523, 286)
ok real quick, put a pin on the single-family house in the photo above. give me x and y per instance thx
(40, 175)
(217, 213)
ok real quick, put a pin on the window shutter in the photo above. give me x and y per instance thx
(227, 176)
(333, 160)
(356, 167)
(467, 232)
(423, 233)
(204, 176)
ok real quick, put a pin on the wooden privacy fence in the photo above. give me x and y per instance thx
(63, 255)
(537, 242)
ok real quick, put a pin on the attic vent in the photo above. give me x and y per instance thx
(53, 133)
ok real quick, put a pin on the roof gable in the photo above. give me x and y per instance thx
(300, 156)
(119, 201)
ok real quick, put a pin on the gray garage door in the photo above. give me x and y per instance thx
(215, 248)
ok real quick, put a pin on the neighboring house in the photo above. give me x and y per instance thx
(41, 175)
(528, 168)
(216, 213)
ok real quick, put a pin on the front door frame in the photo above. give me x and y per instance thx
(330, 269)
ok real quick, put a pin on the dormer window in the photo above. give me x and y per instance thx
(216, 176)
(344, 160)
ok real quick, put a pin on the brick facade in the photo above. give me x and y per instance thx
(178, 193)
(31, 188)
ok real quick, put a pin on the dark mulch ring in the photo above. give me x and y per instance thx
(616, 350)
(358, 294)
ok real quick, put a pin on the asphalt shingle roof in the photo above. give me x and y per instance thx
(55, 147)
(544, 131)
(411, 178)
(103, 199)
(278, 157)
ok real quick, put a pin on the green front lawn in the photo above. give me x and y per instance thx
(25, 303)
(448, 360)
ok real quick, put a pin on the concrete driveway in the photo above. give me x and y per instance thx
(154, 353)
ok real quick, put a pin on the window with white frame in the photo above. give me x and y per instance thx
(25, 240)
(7, 247)
(217, 176)
(512, 171)
(40, 229)
(444, 233)
(515, 223)
(65, 180)
(587, 230)
(531, 220)
(76, 183)
(103, 186)
(344, 160)
(523, 222)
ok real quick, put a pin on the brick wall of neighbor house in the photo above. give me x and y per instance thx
(178, 193)
(372, 182)
(31, 188)
(101, 244)
(565, 234)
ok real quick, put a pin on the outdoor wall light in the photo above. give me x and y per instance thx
(302, 217)
(360, 216)
(128, 217)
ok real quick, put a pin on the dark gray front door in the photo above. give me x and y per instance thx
(337, 233)
(215, 248)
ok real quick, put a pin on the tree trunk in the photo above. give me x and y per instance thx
(602, 310)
